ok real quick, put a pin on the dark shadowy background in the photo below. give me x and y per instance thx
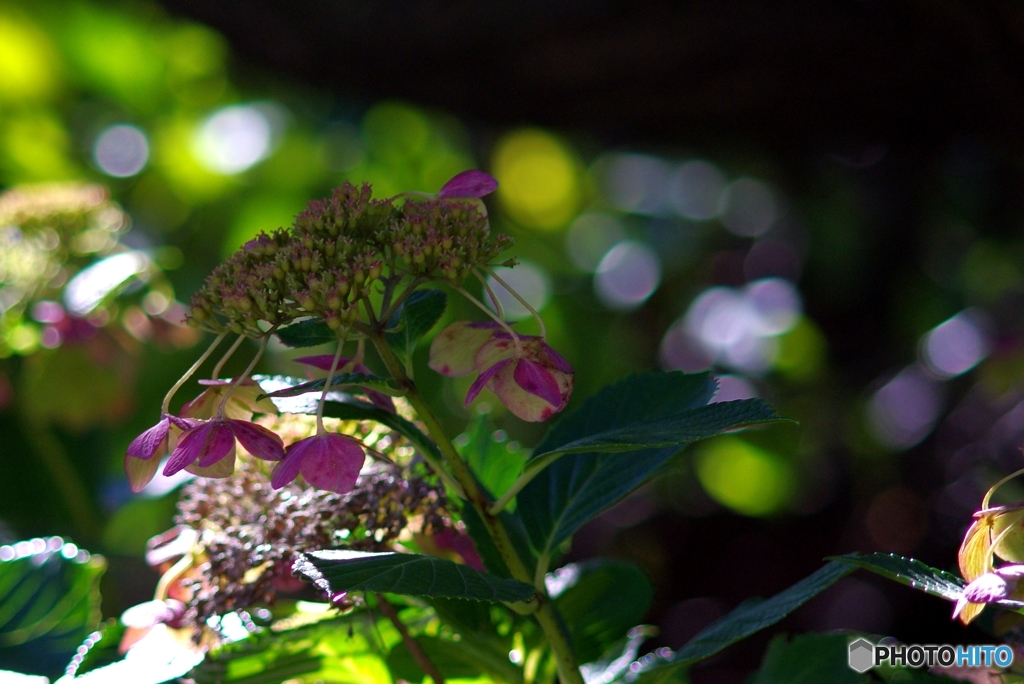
(821, 202)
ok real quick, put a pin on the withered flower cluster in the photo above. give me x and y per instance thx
(248, 532)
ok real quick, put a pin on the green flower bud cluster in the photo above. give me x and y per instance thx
(337, 248)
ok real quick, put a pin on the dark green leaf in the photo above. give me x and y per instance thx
(417, 315)
(748, 618)
(339, 380)
(614, 664)
(406, 573)
(634, 399)
(910, 572)
(575, 488)
(345, 406)
(49, 595)
(308, 333)
(599, 601)
(807, 659)
(489, 553)
(651, 415)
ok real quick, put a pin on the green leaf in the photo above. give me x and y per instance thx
(339, 380)
(652, 415)
(495, 461)
(908, 571)
(807, 659)
(453, 659)
(308, 333)
(748, 618)
(345, 406)
(49, 604)
(486, 634)
(489, 553)
(599, 601)
(406, 573)
(418, 314)
(615, 663)
(99, 649)
(331, 649)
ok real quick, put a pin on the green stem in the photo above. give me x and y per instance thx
(568, 669)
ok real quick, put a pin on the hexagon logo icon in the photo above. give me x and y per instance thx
(862, 655)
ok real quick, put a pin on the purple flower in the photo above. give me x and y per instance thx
(142, 458)
(243, 401)
(212, 441)
(469, 184)
(991, 587)
(329, 461)
(346, 365)
(533, 386)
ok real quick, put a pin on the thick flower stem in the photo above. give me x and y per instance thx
(568, 669)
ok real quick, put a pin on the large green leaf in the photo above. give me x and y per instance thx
(747, 619)
(908, 571)
(406, 573)
(453, 659)
(49, 603)
(494, 460)
(417, 315)
(807, 659)
(308, 333)
(486, 633)
(650, 415)
(599, 601)
(345, 406)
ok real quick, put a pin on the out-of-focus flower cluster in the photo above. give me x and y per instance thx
(329, 259)
(62, 265)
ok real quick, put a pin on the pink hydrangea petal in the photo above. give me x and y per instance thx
(472, 183)
(453, 351)
(184, 423)
(258, 440)
(461, 544)
(222, 468)
(537, 380)
(381, 401)
(482, 380)
(219, 443)
(523, 404)
(152, 442)
(190, 445)
(333, 463)
(140, 471)
(556, 358)
(288, 469)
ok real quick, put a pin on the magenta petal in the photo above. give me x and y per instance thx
(218, 444)
(323, 362)
(258, 440)
(146, 445)
(472, 183)
(288, 469)
(482, 379)
(381, 401)
(559, 360)
(185, 423)
(189, 447)
(536, 380)
(332, 462)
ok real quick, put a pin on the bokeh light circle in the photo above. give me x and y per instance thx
(121, 151)
(233, 139)
(529, 280)
(590, 237)
(695, 190)
(955, 346)
(749, 207)
(538, 179)
(628, 274)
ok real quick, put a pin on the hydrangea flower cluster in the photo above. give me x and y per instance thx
(339, 252)
(335, 252)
